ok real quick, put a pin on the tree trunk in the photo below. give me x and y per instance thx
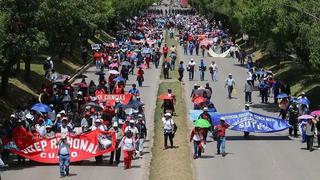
(27, 68)
(5, 81)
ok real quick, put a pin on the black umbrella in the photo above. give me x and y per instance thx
(96, 106)
(134, 104)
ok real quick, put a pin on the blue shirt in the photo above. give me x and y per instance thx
(134, 91)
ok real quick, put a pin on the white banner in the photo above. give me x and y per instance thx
(223, 55)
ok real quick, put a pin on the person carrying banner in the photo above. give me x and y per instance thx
(128, 145)
(64, 155)
(221, 135)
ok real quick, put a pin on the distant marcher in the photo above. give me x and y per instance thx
(213, 71)
(202, 69)
(248, 88)
(191, 69)
(230, 83)
(180, 70)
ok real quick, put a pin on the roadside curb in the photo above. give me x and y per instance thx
(81, 70)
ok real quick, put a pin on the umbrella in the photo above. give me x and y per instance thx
(62, 78)
(199, 100)
(142, 66)
(315, 113)
(306, 116)
(137, 50)
(200, 92)
(302, 101)
(134, 104)
(94, 105)
(40, 107)
(282, 95)
(119, 78)
(260, 72)
(82, 85)
(114, 65)
(202, 123)
(165, 97)
(113, 72)
(126, 63)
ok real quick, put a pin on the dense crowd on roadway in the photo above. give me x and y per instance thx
(75, 108)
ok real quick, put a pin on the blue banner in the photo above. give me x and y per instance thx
(252, 122)
(194, 114)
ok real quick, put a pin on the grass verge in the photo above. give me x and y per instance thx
(171, 163)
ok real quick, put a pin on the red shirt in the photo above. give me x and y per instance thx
(222, 129)
(165, 49)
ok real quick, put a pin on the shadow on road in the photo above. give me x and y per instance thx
(267, 107)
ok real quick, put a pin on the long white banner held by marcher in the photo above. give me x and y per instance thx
(215, 55)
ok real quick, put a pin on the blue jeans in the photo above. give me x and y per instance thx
(230, 88)
(196, 150)
(221, 145)
(214, 76)
(201, 75)
(64, 163)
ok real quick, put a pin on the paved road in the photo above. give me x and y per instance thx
(89, 169)
(265, 156)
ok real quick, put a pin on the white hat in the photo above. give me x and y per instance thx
(135, 111)
(47, 126)
(247, 105)
(117, 100)
(64, 119)
(131, 121)
(230, 74)
(62, 112)
(140, 115)
(12, 116)
(48, 58)
(115, 124)
(29, 116)
(167, 114)
(80, 93)
(222, 119)
(121, 121)
(98, 120)
(205, 108)
(59, 115)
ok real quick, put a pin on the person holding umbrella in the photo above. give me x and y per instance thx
(198, 141)
(221, 135)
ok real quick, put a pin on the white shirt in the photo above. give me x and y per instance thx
(134, 130)
(230, 82)
(214, 67)
(64, 130)
(167, 123)
(128, 144)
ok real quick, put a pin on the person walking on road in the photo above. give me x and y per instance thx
(264, 88)
(292, 115)
(310, 132)
(142, 134)
(230, 83)
(119, 136)
(198, 142)
(213, 71)
(64, 155)
(202, 69)
(191, 69)
(221, 135)
(169, 130)
(165, 50)
(248, 88)
(166, 66)
(128, 145)
(180, 71)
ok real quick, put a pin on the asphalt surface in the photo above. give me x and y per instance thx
(264, 156)
(89, 169)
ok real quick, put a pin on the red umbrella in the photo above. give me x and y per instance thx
(82, 85)
(199, 100)
(165, 97)
(143, 66)
(315, 113)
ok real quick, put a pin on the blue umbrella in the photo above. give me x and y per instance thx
(119, 78)
(302, 101)
(40, 107)
(282, 95)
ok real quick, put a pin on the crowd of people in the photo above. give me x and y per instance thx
(65, 108)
